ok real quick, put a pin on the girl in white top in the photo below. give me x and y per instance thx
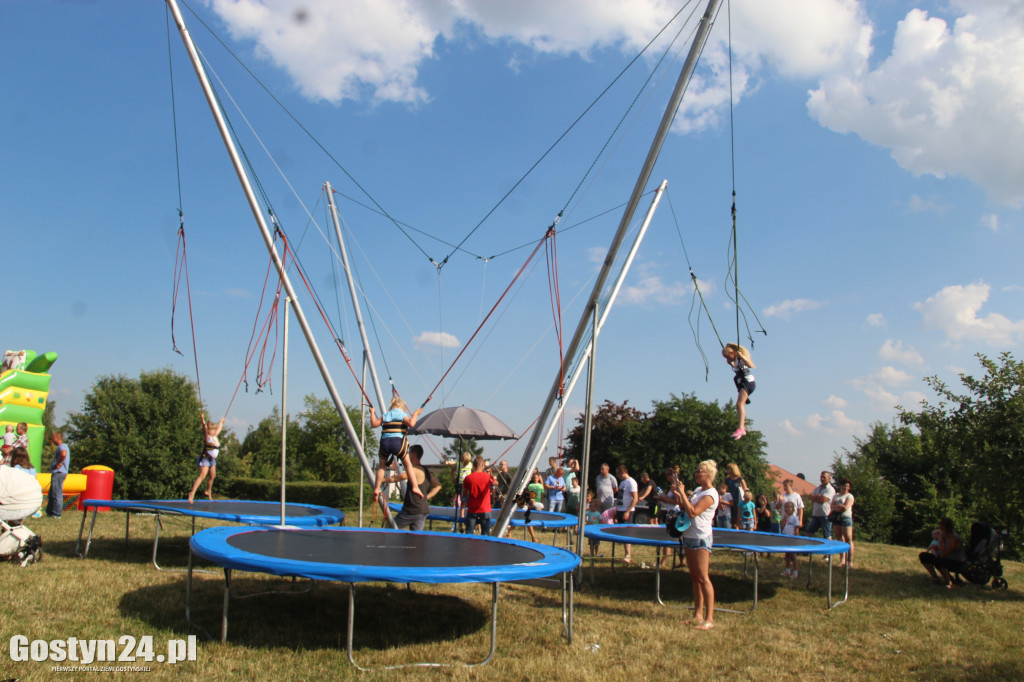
(790, 525)
(697, 540)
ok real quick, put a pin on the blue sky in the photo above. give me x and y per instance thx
(878, 166)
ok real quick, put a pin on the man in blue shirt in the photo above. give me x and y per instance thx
(58, 472)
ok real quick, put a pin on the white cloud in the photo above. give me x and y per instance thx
(234, 292)
(435, 340)
(836, 402)
(836, 423)
(912, 399)
(596, 254)
(875, 320)
(651, 289)
(788, 427)
(890, 376)
(787, 309)
(946, 100)
(954, 312)
(894, 350)
(932, 204)
(991, 221)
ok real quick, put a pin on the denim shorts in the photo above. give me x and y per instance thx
(694, 543)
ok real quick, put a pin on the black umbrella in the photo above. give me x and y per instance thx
(463, 422)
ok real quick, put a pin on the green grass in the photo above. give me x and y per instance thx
(896, 624)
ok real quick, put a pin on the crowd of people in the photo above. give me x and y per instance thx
(15, 453)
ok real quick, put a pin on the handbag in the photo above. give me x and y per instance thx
(676, 522)
(835, 516)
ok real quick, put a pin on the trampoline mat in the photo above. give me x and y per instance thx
(239, 511)
(359, 554)
(721, 537)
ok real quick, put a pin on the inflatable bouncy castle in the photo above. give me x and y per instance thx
(24, 386)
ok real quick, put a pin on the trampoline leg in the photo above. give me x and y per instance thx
(156, 542)
(224, 613)
(756, 581)
(351, 627)
(127, 524)
(657, 576)
(567, 614)
(88, 541)
(188, 590)
(846, 587)
(810, 569)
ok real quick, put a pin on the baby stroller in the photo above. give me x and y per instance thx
(20, 497)
(983, 552)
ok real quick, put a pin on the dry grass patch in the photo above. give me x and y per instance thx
(896, 622)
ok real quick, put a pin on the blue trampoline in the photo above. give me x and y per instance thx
(538, 519)
(355, 555)
(747, 541)
(249, 512)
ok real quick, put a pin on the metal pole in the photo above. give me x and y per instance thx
(284, 406)
(532, 453)
(362, 443)
(268, 240)
(367, 355)
(575, 374)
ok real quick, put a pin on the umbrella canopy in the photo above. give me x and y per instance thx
(463, 422)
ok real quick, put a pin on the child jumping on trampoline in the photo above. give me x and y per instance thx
(207, 461)
(738, 358)
(396, 422)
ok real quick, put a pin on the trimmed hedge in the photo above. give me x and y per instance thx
(335, 495)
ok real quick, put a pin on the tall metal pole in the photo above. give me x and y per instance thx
(268, 240)
(532, 453)
(575, 374)
(367, 355)
(284, 406)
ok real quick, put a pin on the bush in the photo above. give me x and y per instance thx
(334, 495)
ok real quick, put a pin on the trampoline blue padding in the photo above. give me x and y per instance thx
(538, 519)
(743, 540)
(364, 555)
(249, 512)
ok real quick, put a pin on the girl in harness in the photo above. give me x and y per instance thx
(396, 422)
(738, 358)
(207, 462)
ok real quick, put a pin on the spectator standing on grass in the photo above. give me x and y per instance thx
(605, 488)
(798, 502)
(821, 505)
(843, 528)
(58, 472)
(723, 517)
(697, 540)
(536, 488)
(737, 487)
(763, 514)
(554, 486)
(415, 507)
(790, 526)
(747, 519)
(626, 503)
(503, 481)
(476, 491)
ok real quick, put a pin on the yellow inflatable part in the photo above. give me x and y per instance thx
(21, 396)
(74, 484)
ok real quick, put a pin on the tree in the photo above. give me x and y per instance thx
(326, 453)
(961, 457)
(876, 496)
(454, 450)
(976, 443)
(318, 447)
(147, 430)
(679, 431)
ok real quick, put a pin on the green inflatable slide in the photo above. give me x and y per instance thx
(24, 387)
